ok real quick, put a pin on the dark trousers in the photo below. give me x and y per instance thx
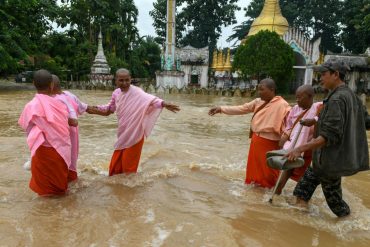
(331, 188)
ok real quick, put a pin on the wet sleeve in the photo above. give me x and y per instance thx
(111, 106)
(71, 111)
(240, 109)
(82, 107)
(332, 125)
(157, 103)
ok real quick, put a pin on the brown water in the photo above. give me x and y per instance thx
(189, 191)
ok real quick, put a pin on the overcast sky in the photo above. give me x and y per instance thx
(145, 22)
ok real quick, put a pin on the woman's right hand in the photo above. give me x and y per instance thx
(214, 110)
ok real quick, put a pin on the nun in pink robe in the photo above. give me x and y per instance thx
(45, 119)
(137, 113)
(75, 108)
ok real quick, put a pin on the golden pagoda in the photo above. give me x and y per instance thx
(220, 63)
(270, 19)
(214, 60)
(228, 66)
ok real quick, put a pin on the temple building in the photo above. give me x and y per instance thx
(306, 51)
(181, 67)
(194, 63)
(100, 75)
(222, 68)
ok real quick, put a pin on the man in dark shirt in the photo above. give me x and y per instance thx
(340, 148)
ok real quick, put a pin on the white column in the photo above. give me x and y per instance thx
(308, 76)
(171, 32)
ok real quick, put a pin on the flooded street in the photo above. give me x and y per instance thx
(189, 190)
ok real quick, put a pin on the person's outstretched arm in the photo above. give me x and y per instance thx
(171, 107)
(95, 110)
(105, 110)
(82, 107)
(234, 110)
(159, 103)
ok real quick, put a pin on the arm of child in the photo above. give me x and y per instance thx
(105, 110)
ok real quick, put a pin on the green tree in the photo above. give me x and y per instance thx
(145, 58)
(199, 22)
(22, 24)
(266, 55)
(71, 54)
(116, 18)
(159, 15)
(356, 21)
(205, 19)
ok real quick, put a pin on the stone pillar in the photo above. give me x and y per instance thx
(308, 76)
(170, 56)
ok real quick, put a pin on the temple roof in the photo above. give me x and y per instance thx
(360, 62)
(191, 54)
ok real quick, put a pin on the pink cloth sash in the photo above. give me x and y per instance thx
(136, 116)
(46, 121)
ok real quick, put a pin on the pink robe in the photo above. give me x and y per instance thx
(75, 108)
(137, 113)
(306, 132)
(46, 121)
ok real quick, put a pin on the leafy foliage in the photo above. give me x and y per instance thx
(22, 23)
(198, 23)
(356, 33)
(159, 15)
(266, 55)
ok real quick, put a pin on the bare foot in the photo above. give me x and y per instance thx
(298, 203)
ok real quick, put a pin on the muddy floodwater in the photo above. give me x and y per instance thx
(189, 190)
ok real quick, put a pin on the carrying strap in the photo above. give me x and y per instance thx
(298, 119)
(258, 109)
(296, 138)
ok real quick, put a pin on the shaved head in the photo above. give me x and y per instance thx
(123, 71)
(304, 96)
(56, 82)
(42, 79)
(306, 89)
(269, 83)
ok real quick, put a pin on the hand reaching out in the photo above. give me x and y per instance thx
(72, 122)
(171, 107)
(308, 122)
(95, 110)
(214, 110)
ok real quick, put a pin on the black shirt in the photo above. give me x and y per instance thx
(342, 124)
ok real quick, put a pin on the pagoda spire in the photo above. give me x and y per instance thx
(100, 64)
(270, 19)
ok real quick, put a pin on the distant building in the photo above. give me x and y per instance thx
(194, 63)
(358, 78)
